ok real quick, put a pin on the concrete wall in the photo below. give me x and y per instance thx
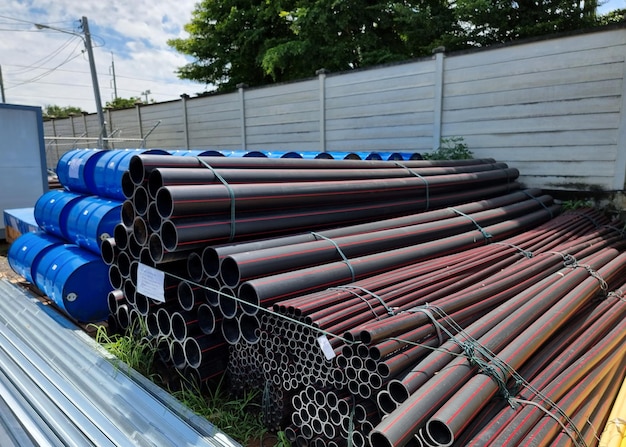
(554, 108)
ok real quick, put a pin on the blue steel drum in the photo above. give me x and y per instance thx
(91, 220)
(52, 209)
(75, 169)
(197, 153)
(76, 280)
(254, 154)
(375, 156)
(26, 251)
(110, 168)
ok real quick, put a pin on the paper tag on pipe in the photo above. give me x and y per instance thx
(327, 349)
(150, 282)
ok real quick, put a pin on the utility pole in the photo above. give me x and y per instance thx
(86, 36)
(113, 73)
(96, 88)
(2, 86)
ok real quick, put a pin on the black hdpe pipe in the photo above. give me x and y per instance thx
(140, 166)
(196, 232)
(452, 417)
(197, 200)
(239, 267)
(515, 424)
(403, 423)
(161, 177)
(297, 282)
(213, 255)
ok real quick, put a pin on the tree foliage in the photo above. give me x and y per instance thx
(54, 111)
(123, 103)
(257, 42)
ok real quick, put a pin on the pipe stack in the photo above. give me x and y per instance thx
(178, 209)
(380, 282)
(479, 287)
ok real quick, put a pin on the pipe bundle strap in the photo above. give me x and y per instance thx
(527, 254)
(620, 231)
(593, 221)
(485, 233)
(340, 251)
(231, 194)
(572, 262)
(573, 433)
(347, 288)
(539, 201)
(426, 311)
(412, 172)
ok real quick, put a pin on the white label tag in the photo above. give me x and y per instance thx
(327, 349)
(150, 282)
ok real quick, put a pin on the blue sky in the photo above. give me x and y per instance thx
(41, 67)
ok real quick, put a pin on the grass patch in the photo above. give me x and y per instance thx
(239, 417)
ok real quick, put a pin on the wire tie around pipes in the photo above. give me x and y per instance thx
(231, 194)
(421, 177)
(351, 421)
(340, 251)
(347, 288)
(539, 202)
(593, 222)
(526, 253)
(619, 294)
(263, 309)
(485, 234)
(426, 311)
(494, 367)
(620, 231)
(576, 437)
(571, 262)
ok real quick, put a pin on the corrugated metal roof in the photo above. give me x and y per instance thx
(58, 387)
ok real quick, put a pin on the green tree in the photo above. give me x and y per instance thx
(487, 22)
(228, 38)
(257, 42)
(123, 103)
(54, 111)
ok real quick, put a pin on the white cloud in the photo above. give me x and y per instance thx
(136, 32)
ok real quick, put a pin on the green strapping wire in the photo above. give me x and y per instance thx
(485, 234)
(231, 194)
(284, 317)
(341, 253)
(526, 253)
(347, 289)
(363, 289)
(471, 346)
(421, 178)
(540, 202)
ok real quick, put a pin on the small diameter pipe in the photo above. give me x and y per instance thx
(128, 216)
(115, 277)
(121, 233)
(249, 326)
(194, 267)
(140, 230)
(177, 354)
(115, 298)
